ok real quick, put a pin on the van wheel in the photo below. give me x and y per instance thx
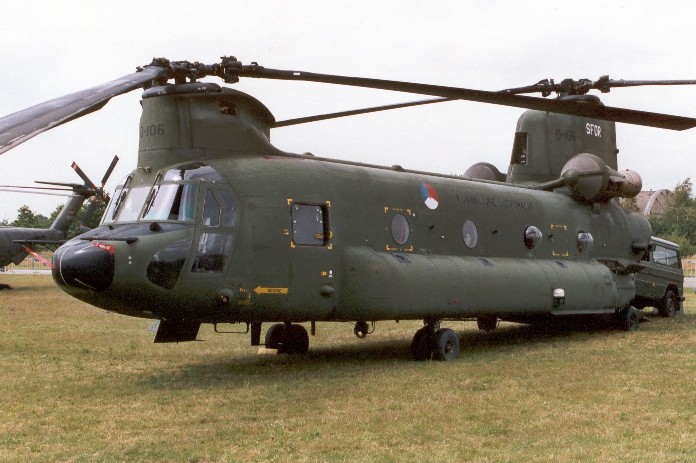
(668, 305)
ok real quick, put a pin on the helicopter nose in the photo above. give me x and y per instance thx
(86, 265)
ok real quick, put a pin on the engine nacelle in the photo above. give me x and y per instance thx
(484, 171)
(591, 180)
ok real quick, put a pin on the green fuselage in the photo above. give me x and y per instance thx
(302, 238)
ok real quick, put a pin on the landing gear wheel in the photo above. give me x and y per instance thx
(295, 341)
(487, 322)
(446, 345)
(361, 329)
(668, 305)
(430, 342)
(420, 346)
(629, 319)
(274, 336)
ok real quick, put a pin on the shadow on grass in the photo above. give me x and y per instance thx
(362, 357)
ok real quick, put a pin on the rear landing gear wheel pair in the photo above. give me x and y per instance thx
(288, 338)
(435, 344)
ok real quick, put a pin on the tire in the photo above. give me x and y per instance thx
(446, 345)
(274, 336)
(420, 346)
(668, 305)
(296, 340)
(629, 319)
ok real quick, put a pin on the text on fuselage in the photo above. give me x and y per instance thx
(593, 129)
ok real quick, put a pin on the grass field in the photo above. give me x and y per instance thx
(79, 384)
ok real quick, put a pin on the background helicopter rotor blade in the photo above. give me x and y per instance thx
(109, 170)
(45, 193)
(27, 123)
(97, 191)
(83, 176)
(72, 186)
(42, 188)
(572, 108)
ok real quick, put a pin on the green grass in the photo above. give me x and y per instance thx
(82, 385)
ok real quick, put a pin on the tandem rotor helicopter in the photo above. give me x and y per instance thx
(216, 225)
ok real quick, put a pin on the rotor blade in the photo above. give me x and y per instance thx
(12, 190)
(27, 123)
(109, 171)
(573, 108)
(83, 176)
(604, 85)
(74, 186)
(81, 190)
(580, 87)
(37, 187)
(322, 117)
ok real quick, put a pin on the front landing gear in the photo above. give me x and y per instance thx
(288, 338)
(434, 343)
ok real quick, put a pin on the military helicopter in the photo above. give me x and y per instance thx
(17, 242)
(216, 225)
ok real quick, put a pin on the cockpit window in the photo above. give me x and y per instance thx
(130, 204)
(109, 214)
(173, 197)
(229, 208)
(171, 201)
(126, 203)
(211, 210)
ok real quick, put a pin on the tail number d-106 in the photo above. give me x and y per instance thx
(151, 130)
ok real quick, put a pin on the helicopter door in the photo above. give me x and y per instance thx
(313, 260)
(215, 232)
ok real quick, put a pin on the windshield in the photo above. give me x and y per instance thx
(171, 201)
(173, 197)
(128, 204)
(109, 214)
(194, 171)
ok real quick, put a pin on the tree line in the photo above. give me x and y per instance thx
(27, 218)
(678, 220)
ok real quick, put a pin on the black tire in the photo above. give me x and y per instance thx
(629, 319)
(668, 306)
(274, 336)
(446, 345)
(420, 346)
(296, 340)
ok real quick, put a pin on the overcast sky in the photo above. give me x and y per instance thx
(50, 48)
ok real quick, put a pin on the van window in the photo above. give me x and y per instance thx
(665, 256)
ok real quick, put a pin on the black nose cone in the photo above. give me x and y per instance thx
(87, 265)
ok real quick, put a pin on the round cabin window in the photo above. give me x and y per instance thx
(532, 237)
(585, 243)
(400, 229)
(469, 234)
